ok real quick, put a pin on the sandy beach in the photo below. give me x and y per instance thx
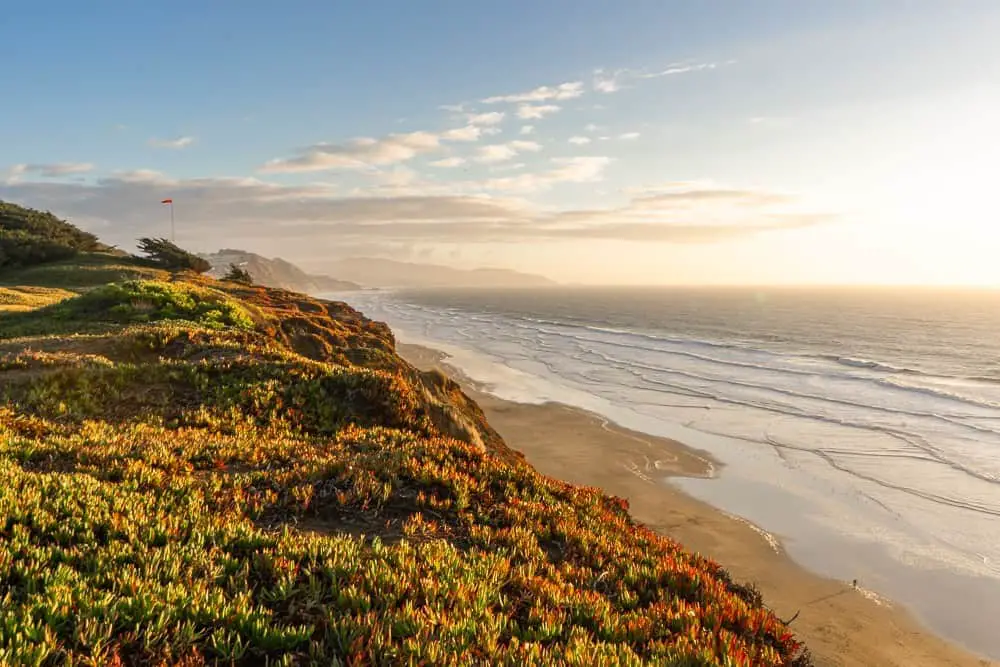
(841, 624)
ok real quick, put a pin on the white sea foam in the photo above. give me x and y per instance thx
(824, 450)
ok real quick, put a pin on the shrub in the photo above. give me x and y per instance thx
(19, 248)
(150, 300)
(46, 226)
(169, 255)
(238, 274)
(29, 237)
(131, 302)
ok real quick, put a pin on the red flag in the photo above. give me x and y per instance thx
(167, 201)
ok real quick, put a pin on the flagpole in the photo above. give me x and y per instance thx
(170, 202)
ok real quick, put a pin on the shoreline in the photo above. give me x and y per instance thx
(841, 624)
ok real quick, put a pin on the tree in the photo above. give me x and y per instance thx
(238, 274)
(19, 249)
(29, 237)
(171, 256)
(46, 226)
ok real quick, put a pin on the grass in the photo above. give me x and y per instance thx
(85, 271)
(133, 301)
(23, 298)
(149, 301)
(198, 473)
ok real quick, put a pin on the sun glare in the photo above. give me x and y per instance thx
(938, 200)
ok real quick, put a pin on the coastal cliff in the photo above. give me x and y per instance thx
(194, 471)
(275, 272)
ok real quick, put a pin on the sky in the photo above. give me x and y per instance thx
(740, 142)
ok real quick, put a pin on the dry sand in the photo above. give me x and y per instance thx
(836, 621)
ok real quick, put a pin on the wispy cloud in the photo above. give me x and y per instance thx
(365, 153)
(605, 81)
(522, 145)
(448, 162)
(502, 152)
(680, 68)
(564, 91)
(51, 170)
(684, 193)
(566, 170)
(295, 219)
(179, 142)
(362, 153)
(397, 204)
(515, 166)
(488, 118)
(606, 85)
(467, 133)
(495, 153)
(12, 173)
(397, 177)
(150, 176)
(692, 213)
(529, 111)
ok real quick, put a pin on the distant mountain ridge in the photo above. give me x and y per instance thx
(373, 272)
(275, 272)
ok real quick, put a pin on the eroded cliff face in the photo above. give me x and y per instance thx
(194, 471)
(334, 332)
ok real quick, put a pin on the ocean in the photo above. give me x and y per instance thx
(860, 427)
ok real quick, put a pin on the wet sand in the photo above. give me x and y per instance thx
(841, 624)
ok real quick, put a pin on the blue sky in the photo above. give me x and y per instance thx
(734, 142)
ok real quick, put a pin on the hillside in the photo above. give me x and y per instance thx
(372, 272)
(29, 237)
(195, 471)
(276, 272)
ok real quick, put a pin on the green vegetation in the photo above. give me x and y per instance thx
(83, 272)
(29, 237)
(16, 299)
(133, 301)
(149, 301)
(237, 274)
(168, 255)
(37, 249)
(200, 472)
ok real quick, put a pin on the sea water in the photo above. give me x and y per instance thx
(860, 426)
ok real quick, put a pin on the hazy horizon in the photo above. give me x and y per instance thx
(705, 144)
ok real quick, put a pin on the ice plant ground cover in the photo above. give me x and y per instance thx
(194, 471)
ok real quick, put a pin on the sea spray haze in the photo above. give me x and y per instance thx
(862, 425)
